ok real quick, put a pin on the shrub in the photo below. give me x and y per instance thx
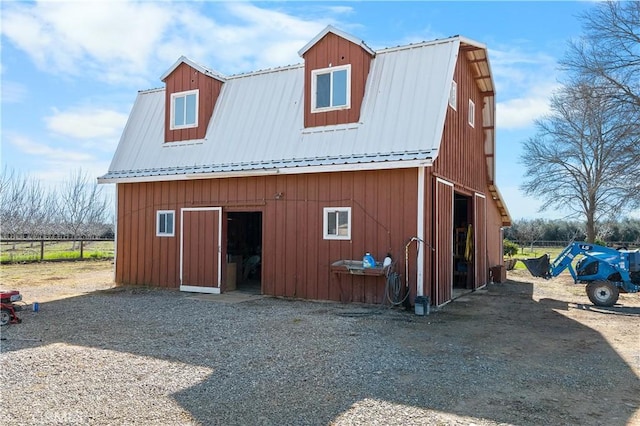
(509, 248)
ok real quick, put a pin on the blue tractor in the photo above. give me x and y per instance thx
(607, 272)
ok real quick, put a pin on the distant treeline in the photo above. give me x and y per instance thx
(530, 231)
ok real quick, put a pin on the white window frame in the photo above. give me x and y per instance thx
(184, 94)
(159, 232)
(453, 95)
(331, 70)
(472, 113)
(325, 223)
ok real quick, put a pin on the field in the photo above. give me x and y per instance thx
(526, 253)
(15, 252)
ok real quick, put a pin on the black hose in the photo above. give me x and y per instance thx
(393, 289)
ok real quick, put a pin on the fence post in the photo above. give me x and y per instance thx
(81, 247)
(41, 250)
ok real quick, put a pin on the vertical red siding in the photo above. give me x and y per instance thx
(333, 50)
(296, 259)
(461, 158)
(185, 78)
(462, 161)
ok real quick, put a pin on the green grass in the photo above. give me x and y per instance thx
(55, 250)
(527, 253)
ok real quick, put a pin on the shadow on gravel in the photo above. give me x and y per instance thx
(494, 355)
(628, 311)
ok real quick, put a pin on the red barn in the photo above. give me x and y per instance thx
(278, 177)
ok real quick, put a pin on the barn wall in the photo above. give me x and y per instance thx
(494, 239)
(185, 78)
(333, 50)
(462, 161)
(461, 158)
(296, 259)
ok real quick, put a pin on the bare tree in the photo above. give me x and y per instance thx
(81, 205)
(531, 231)
(609, 51)
(584, 157)
(13, 190)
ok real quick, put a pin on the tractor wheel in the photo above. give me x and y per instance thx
(602, 293)
(5, 317)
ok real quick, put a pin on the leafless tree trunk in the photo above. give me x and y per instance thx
(13, 191)
(531, 231)
(584, 157)
(81, 205)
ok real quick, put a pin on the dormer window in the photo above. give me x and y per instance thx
(331, 88)
(184, 110)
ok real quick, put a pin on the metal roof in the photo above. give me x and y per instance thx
(257, 122)
(257, 125)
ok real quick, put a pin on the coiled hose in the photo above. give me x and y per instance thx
(394, 287)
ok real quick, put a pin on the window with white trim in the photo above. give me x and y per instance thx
(165, 223)
(337, 223)
(453, 95)
(331, 88)
(472, 113)
(184, 109)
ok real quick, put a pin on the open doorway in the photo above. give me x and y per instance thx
(463, 251)
(244, 251)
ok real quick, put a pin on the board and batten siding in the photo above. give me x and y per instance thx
(462, 162)
(296, 260)
(333, 50)
(462, 158)
(185, 78)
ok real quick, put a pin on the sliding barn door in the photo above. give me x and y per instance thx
(444, 241)
(480, 226)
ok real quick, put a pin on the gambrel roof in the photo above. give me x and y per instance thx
(257, 125)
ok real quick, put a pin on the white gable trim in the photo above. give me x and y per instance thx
(331, 29)
(198, 67)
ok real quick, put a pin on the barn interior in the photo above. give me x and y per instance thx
(463, 251)
(244, 251)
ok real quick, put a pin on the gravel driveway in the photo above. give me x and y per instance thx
(159, 357)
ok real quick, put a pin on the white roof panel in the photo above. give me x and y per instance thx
(258, 121)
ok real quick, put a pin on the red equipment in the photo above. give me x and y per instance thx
(8, 307)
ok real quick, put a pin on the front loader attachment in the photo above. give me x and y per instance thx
(538, 266)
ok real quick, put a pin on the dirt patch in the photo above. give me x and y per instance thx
(47, 281)
(528, 351)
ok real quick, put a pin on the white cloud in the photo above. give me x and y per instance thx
(48, 153)
(257, 39)
(111, 38)
(524, 81)
(52, 165)
(87, 123)
(521, 112)
(128, 42)
(13, 92)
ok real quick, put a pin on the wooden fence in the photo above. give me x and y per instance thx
(29, 250)
(542, 243)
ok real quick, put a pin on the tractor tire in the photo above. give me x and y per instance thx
(5, 317)
(603, 293)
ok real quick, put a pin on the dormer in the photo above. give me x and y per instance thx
(191, 92)
(336, 66)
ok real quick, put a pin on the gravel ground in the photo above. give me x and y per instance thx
(158, 357)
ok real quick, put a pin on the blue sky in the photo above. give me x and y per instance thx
(70, 70)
